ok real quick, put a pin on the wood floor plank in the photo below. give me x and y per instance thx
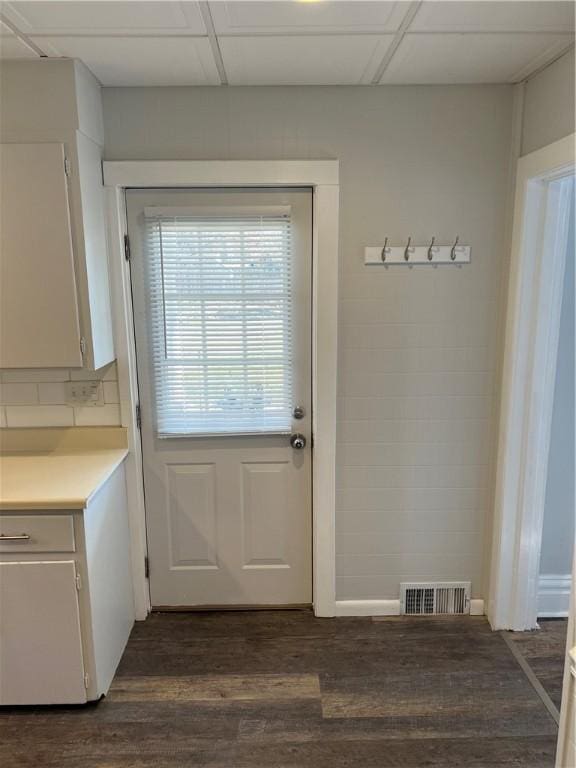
(202, 625)
(281, 655)
(452, 696)
(215, 688)
(122, 750)
(486, 753)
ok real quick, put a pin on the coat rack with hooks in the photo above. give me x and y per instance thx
(431, 254)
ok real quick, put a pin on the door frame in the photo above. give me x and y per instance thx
(322, 177)
(566, 747)
(528, 379)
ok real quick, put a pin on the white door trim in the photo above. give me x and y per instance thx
(530, 352)
(322, 176)
(554, 595)
(566, 748)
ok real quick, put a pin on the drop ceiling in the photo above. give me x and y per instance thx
(292, 43)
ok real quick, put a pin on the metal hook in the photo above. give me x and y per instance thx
(383, 254)
(406, 254)
(453, 249)
(430, 249)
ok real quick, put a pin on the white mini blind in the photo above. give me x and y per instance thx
(220, 322)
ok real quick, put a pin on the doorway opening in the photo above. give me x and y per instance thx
(541, 279)
(321, 176)
(540, 251)
(557, 549)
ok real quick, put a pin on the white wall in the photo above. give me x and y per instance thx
(417, 348)
(558, 534)
(549, 105)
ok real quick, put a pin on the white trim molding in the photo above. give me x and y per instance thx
(210, 173)
(554, 595)
(368, 608)
(387, 607)
(123, 324)
(566, 748)
(476, 607)
(322, 177)
(541, 215)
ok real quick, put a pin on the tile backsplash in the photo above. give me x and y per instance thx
(41, 398)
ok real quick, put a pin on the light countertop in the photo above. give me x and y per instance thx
(64, 475)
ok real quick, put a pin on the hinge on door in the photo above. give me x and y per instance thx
(126, 247)
(82, 346)
(86, 680)
(146, 566)
(138, 416)
(67, 167)
(78, 582)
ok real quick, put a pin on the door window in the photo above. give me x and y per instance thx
(220, 292)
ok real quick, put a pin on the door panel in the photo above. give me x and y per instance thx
(228, 514)
(191, 503)
(265, 510)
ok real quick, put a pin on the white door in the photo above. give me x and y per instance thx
(221, 287)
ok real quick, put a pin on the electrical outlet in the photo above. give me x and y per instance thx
(85, 393)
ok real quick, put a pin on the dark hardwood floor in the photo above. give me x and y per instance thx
(545, 651)
(286, 690)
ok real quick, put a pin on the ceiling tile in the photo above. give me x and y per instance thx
(261, 17)
(482, 58)
(12, 47)
(338, 60)
(100, 17)
(140, 60)
(532, 16)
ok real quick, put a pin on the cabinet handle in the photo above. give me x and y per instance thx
(14, 537)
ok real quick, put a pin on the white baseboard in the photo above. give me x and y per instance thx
(554, 595)
(476, 607)
(367, 607)
(387, 607)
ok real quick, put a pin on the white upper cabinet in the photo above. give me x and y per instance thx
(39, 321)
(54, 282)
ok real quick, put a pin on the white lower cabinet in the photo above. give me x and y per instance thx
(66, 599)
(41, 657)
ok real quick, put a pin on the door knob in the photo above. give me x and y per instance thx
(297, 441)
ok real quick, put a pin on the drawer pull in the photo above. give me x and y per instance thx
(14, 537)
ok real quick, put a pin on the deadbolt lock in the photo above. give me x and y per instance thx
(298, 412)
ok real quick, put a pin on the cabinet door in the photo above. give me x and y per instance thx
(41, 658)
(39, 322)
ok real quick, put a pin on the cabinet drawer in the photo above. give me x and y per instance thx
(36, 533)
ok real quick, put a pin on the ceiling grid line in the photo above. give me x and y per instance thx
(530, 71)
(395, 44)
(213, 40)
(22, 36)
(166, 33)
